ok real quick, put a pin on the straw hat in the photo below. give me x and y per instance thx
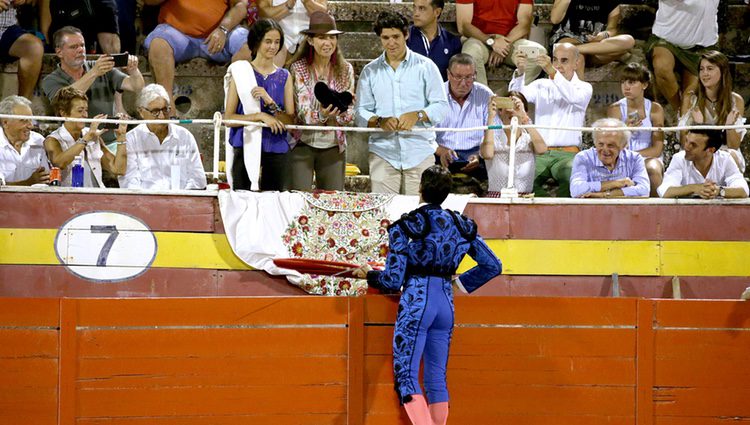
(322, 23)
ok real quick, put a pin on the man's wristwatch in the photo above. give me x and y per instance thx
(490, 41)
(421, 116)
(378, 121)
(223, 29)
(722, 191)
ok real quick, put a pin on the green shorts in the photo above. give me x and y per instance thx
(689, 58)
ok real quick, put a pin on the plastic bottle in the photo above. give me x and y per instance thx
(77, 177)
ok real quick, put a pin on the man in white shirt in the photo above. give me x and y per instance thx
(161, 156)
(560, 101)
(682, 31)
(23, 161)
(703, 170)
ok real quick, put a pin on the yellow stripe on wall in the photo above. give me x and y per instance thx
(519, 257)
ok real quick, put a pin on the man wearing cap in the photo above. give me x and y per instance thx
(398, 91)
(428, 38)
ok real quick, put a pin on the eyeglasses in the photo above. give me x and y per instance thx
(466, 79)
(160, 111)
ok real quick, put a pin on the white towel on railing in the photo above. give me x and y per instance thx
(244, 81)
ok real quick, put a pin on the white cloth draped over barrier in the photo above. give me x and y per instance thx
(258, 226)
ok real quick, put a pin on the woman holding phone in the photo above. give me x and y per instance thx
(637, 111)
(74, 139)
(495, 148)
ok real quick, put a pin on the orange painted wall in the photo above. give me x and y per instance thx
(313, 360)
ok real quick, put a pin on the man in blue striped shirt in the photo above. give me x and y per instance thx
(398, 91)
(608, 169)
(468, 101)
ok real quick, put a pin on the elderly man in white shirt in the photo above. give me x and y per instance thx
(161, 156)
(703, 170)
(561, 101)
(23, 161)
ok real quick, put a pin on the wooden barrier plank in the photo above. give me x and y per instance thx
(704, 373)
(24, 406)
(702, 420)
(644, 403)
(613, 222)
(498, 227)
(268, 399)
(500, 399)
(478, 418)
(107, 371)
(692, 402)
(277, 419)
(718, 314)
(728, 222)
(24, 342)
(30, 371)
(703, 345)
(211, 372)
(521, 370)
(546, 311)
(28, 311)
(57, 281)
(119, 343)
(515, 310)
(355, 354)
(309, 310)
(159, 212)
(529, 342)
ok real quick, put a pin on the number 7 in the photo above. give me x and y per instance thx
(112, 230)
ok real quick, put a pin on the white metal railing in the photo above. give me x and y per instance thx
(218, 122)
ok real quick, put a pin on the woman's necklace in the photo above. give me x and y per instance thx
(321, 73)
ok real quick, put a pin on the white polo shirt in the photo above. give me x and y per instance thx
(723, 172)
(15, 166)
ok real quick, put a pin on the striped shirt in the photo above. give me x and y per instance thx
(589, 173)
(473, 113)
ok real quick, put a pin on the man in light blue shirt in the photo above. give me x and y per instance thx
(467, 107)
(608, 169)
(398, 91)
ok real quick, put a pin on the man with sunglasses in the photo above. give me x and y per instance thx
(161, 156)
(467, 107)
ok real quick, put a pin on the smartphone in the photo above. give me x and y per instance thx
(121, 59)
(457, 165)
(110, 125)
(532, 52)
(503, 102)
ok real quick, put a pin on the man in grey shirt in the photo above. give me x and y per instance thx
(98, 79)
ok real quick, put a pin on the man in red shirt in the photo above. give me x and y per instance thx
(188, 29)
(495, 30)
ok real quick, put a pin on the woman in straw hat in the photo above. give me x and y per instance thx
(320, 152)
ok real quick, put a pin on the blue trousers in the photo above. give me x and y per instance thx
(423, 332)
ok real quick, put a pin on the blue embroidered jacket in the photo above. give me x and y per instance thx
(431, 241)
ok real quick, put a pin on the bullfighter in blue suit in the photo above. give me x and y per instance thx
(426, 247)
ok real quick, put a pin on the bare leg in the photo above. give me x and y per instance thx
(439, 413)
(243, 54)
(666, 82)
(616, 45)
(280, 58)
(29, 51)
(417, 410)
(161, 58)
(109, 42)
(655, 171)
(689, 82)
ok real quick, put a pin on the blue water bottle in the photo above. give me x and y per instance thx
(77, 178)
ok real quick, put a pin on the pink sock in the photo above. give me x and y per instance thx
(417, 410)
(439, 413)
